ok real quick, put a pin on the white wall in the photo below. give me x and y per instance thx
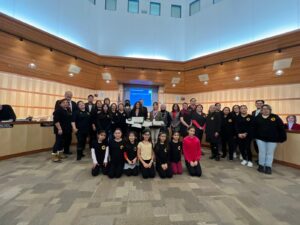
(216, 27)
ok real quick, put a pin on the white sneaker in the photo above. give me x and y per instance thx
(234, 155)
(244, 162)
(250, 164)
(241, 157)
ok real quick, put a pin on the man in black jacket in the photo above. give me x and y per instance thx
(7, 113)
(144, 109)
(90, 106)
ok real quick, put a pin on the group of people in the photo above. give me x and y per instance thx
(117, 148)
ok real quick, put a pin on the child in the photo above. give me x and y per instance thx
(175, 147)
(130, 155)
(192, 153)
(116, 154)
(99, 152)
(163, 165)
(146, 155)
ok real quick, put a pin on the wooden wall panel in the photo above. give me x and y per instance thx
(37, 97)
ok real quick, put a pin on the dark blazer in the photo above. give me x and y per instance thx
(74, 106)
(7, 113)
(253, 113)
(213, 125)
(88, 109)
(145, 112)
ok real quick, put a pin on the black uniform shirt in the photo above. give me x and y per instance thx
(175, 151)
(100, 150)
(161, 153)
(64, 118)
(116, 151)
(82, 120)
(131, 150)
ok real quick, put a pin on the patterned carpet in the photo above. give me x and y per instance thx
(34, 190)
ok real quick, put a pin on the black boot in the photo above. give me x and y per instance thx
(217, 158)
(268, 170)
(261, 169)
(212, 157)
(79, 155)
(224, 155)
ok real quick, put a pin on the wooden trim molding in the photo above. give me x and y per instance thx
(292, 165)
(24, 153)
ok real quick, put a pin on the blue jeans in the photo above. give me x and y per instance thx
(266, 152)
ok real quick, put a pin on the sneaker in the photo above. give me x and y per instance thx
(217, 158)
(268, 170)
(250, 164)
(55, 158)
(62, 155)
(244, 162)
(234, 155)
(261, 169)
(241, 157)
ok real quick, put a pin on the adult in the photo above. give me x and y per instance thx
(155, 115)
(212, 131)
(199, 120)
(291, 123)
(144, 109)
(269, 130)
(228, 133)
(175, 123)
(7, 113)
(166, 117)
(185, 119)
(62, 130)
(71, 106)
(244, 131)
(90, 106)
(192, 106)
(258, 105)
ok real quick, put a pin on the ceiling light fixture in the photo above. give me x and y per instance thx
(173, 85)
(71, 74)
(279, 72)
(205, 83)
(237, 78)
(32, 65)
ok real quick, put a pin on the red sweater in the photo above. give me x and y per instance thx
(191, 149)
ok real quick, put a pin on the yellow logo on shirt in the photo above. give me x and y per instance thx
(248, 119)
(165, 150)
(179, 148)
(212, 118)
(103, 147)
(134, 149)
(122, 146)
(230, 121)
(273, 119)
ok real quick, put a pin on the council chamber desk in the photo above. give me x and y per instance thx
(288, 153)
(21, 138)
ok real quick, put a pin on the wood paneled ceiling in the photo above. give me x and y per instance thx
(253, 68)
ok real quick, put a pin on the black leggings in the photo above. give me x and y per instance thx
(115, 170)
(81, 140)
(132, 172)
(194, 171)
(245, 148)
(214, 149)
(96, 171)
(168, 173)
(230, 142)
(147, 172)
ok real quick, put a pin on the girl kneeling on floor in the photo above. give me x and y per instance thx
(99, 152)
(175, 147)
(146, 155)
(162, 156)
(116, 155)
(130, 155)
(192, 153)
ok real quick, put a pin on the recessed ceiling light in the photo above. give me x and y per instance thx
(179, 72)
(205, 83)
(32, 65)
(237, 78)
(107, 81)
(279, 72)
(173, 85)
(71, 74)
